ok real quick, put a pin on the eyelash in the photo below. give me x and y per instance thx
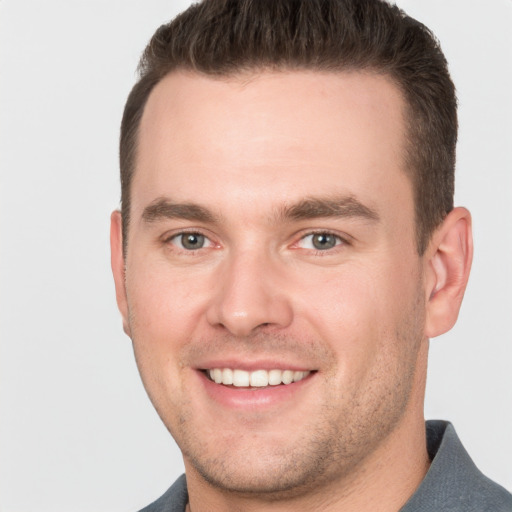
(174, 236)
(340, 241)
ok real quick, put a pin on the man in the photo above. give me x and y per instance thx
(286, 247)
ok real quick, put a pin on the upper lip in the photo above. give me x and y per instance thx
(251, 365)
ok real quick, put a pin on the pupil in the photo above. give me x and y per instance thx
(193, 241)
(323, 241)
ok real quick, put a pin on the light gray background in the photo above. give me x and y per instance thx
(77, 432)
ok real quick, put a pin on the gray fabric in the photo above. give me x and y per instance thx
(174, 500)
(453, 482)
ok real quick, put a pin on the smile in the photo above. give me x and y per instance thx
(256, 379)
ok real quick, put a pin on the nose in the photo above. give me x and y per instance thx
(250, 293)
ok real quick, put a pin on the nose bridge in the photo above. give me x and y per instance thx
(249, 294)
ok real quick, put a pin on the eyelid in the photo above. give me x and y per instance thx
(169, 237)
(342, 238)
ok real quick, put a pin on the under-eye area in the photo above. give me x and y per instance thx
(256, 378)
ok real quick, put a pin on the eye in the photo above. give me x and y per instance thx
(320, 241)
(190, 241)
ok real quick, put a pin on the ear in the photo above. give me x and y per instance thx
(118, 267)
(449, 257)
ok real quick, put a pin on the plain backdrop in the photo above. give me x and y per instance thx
(77, 432)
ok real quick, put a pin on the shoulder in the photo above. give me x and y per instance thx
(173, 500)
(453, 482)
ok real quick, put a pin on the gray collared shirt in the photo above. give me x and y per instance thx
(452, 484)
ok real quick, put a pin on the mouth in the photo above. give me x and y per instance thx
(255, 379)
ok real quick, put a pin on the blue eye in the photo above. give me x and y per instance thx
(320, 241)
(190, 241)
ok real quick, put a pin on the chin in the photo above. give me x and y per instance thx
(266, 464)
(271, 478)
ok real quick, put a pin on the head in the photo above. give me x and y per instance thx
(287, 181)
(221, 38)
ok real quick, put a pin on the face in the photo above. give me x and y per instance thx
(273, 291)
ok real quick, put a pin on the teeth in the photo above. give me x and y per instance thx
(257, 378)
(274, 377)
(227, 376)
(287, 377)
(299, 376)
(240, 378)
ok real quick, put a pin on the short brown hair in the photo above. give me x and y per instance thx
(226, 37)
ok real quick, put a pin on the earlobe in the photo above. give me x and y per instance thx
(449, 258)
(118, 266)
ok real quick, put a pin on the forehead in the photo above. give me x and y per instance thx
(273, 136)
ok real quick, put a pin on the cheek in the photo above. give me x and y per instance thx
(335, 306)
(358, 311)
(162, 303)
(159, 330)
(164, 312)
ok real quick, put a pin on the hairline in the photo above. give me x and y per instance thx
(247, 74)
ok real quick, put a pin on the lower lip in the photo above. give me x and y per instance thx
(253, 398)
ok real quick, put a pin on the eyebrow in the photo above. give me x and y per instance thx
(308, 208)
(163, 208)
(319, 207)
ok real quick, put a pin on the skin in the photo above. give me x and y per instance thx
(248, 152)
